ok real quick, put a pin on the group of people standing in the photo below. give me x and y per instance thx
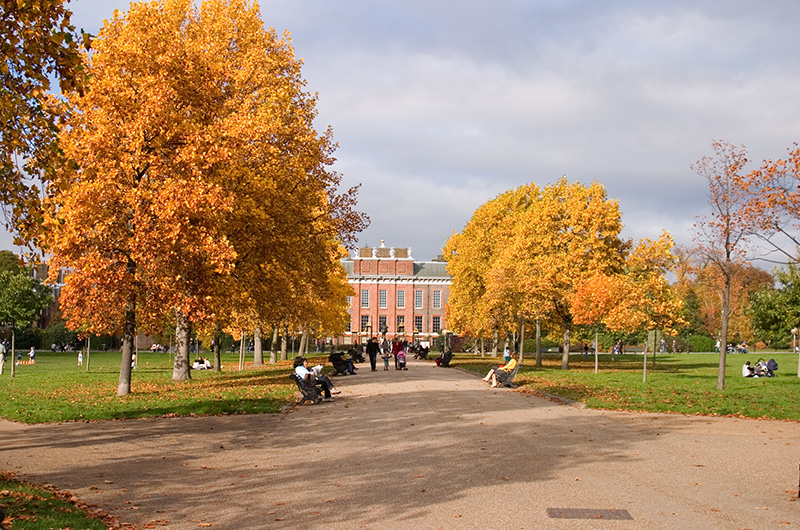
(397, 349)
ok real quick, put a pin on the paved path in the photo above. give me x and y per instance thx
(429, 448)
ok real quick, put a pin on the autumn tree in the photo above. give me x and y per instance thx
(39, 44)
(566, 234)
(543, 242)
(471, 257)
(774, 205)
(709, 285)
(722, 235)
(198, 175)
(638, 297)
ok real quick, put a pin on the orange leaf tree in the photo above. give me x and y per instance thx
(198, 176)
(39, 43)
(637, 297)
(774, 204)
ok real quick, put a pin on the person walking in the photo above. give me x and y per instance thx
(372, 351)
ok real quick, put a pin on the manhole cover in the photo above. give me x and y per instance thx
(588, 513)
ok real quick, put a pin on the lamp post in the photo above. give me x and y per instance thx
(444, 333)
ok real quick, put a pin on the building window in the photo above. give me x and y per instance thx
(401, 299)
(364, 297)
(349, 300)
(401, 323)
(418, 324)
(349, 326)
(418, 299)
(382, 298)
(364, 323)
(437, 299)
(382, 327)
(436, 325)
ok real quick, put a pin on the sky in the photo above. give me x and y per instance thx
(439, 106)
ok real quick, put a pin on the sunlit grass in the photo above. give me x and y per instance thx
(56, 389)
(679, 383)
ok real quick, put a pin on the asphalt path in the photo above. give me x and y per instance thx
(426, 448)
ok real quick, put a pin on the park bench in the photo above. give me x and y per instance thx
(444, 361)
(507, 378)
(339, 364)
(308, 391)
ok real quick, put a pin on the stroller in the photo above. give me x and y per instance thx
(401, 360)
(766, 368)
(772, 367)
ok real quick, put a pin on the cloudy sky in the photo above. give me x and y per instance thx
(439, 106)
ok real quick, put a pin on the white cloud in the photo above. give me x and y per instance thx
(438, 106)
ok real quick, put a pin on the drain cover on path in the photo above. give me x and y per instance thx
(588, 513)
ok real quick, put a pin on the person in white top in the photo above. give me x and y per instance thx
(747, 370)
(323, 381)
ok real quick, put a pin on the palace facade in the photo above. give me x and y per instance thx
(395, 295)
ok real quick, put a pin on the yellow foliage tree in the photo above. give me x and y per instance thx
(199, 181)
(539, 245)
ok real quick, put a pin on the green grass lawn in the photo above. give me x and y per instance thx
(56, 389)
(678, 383)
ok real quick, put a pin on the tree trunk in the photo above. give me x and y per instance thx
(13, 354)
(303, 342)
(258, 353)
(241, 351)
(538, 342)
(284, 340)
(273, 352)
(521, 340)
(723, 336)
(494, 345)
(183, 330)
(565, 353)
(217, 347)
(128, 334)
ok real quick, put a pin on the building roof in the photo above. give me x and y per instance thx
(430, 269)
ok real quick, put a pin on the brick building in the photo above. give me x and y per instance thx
(395, 293)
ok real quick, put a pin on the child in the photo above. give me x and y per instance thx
(385, 356)
(401, 360)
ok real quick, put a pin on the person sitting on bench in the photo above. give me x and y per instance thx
(341, 365)
(322, 380)
(507, 368)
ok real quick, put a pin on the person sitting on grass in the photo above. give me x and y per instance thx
(507, 368)
(312, 377)
(747, 370)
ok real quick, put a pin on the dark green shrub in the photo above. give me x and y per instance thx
(702, 343)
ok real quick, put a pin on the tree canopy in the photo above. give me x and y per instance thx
(195, 180)
(524, 254)
(38, 43)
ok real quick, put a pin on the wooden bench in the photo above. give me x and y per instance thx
(309, 392)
